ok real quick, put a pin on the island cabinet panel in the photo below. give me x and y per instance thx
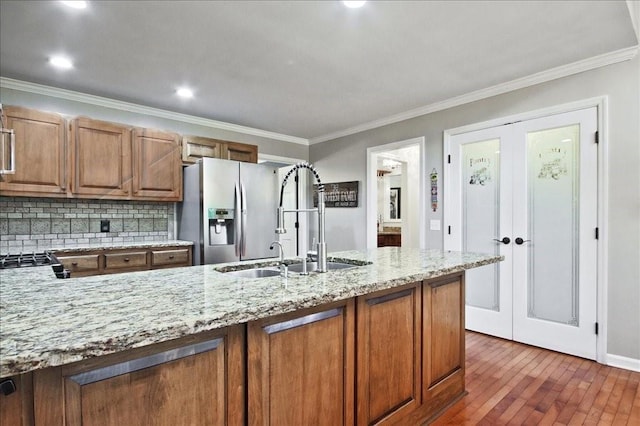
(40, 166)
(192, 381)
(301, 367)
(101, 159)
(157, 165)
(16, 409)
(388, 355)
(443, 340)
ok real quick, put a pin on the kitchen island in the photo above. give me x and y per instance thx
(381, 342)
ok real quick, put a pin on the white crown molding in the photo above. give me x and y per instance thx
(70, 95)
(520, 83)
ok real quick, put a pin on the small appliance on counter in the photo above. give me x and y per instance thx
(229, 210)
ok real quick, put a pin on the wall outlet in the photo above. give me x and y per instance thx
(105, 225)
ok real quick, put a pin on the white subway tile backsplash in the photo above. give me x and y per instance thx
(39, 223)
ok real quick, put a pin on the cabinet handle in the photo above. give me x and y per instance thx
(126, 259)
(298, 322)
(11, 139)
(7, 387)
(74, 263)
(389, 297)
(171, 257)
(137, 364)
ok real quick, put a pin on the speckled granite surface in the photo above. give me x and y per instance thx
(46, 321)
(123, 245)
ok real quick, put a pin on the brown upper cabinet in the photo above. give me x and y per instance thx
(157, 172)
(196, 147)
(40, 166)
(114, 162)
(100, 155)
(103, 160)
(240, 152)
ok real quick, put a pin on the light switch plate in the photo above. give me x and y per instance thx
(434, 225)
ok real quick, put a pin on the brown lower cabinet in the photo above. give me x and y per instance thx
(191, 381)
(393, 357)
(83, 263)
(300, 367)
(388, 355)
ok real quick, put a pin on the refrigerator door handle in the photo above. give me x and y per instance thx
(237, 219)
(243, 243)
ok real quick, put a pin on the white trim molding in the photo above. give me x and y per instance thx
(520, 83)
(623, 362)
(70, 95)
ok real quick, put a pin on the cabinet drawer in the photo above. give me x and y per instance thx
(170, 257)
(125, 260)
(84, 263)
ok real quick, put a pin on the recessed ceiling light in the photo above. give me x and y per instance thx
(61, 62)
(354, 4)
(75, 4)
(183, 92)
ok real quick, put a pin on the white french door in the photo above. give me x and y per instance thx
(528, 191)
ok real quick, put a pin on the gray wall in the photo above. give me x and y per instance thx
(345, 159)
(75, 108)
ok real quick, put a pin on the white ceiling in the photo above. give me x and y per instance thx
(308, 69)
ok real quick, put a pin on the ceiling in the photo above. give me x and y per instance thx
(307, 69)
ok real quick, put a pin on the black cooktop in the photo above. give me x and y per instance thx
(23, 260)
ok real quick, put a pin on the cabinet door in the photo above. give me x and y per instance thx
(444, 344)
(300, 367)
(195, 148)
(101, 158)
(40, 165)
(388, 355)
(16, 409)
(157, 166)
(196, 383)
(240, 152)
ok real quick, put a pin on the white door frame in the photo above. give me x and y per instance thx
(372, 189)
(601, 103)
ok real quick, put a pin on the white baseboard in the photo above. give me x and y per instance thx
(623, 362)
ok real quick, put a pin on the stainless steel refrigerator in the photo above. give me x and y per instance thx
(229, 210)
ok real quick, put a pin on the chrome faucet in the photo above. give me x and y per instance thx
(321, 245)
(283, 268)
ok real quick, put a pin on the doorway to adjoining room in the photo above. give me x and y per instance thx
(395, 194)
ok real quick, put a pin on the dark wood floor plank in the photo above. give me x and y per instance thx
(510, 383)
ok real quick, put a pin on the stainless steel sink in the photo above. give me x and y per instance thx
(255, 273)
(312, 266)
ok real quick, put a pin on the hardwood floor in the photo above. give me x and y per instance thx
(511, 383)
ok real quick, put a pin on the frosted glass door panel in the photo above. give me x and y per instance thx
(555, 213)
(481, 218)
(553, 210)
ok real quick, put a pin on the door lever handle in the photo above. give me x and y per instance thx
(505, 240)
(520, 241)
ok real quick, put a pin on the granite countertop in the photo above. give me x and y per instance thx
(48, 322)
(107, 246)
(120, 245)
